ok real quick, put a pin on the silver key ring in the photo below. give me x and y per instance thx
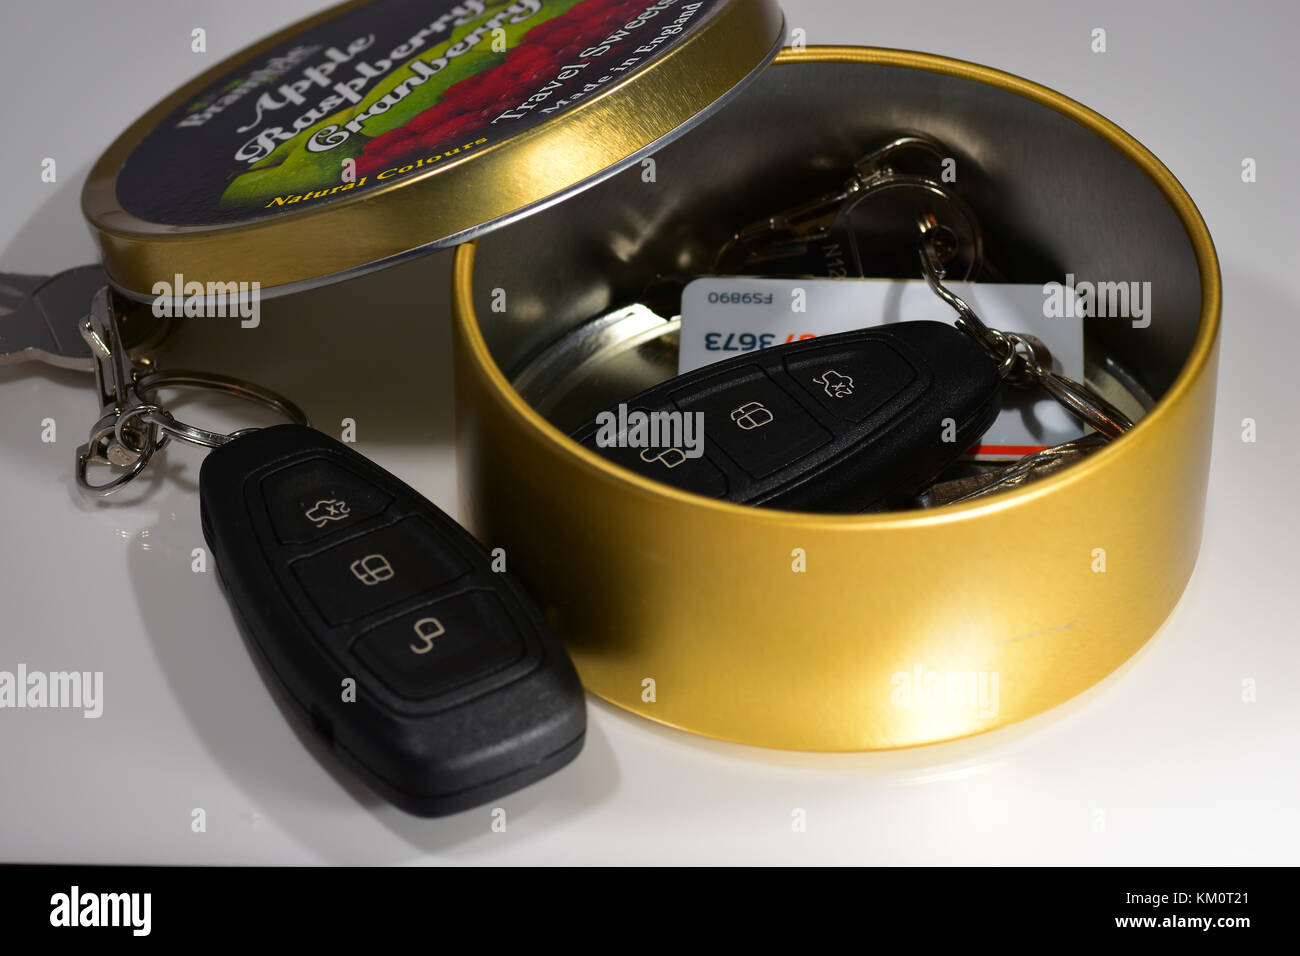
(1023, 360)
(91, 452)
(157, 415)
(142, 406)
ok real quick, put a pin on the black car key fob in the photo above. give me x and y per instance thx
(433, 677)
(841, 423)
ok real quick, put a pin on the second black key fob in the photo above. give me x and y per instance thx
(431, 675)
(840, 423)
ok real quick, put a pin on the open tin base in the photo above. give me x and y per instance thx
(840, 632)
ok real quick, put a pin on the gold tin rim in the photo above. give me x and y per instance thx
(464, 198)
(1207, 329)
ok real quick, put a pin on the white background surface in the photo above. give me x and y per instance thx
(1183, 770)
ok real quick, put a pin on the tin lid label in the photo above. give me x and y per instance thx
(384, 129)
(385, 91)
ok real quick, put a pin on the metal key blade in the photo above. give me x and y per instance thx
(15, 287)
(41, 319)
(1024, 470)
(45, 323)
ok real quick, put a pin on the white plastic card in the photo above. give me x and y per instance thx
(726, 316)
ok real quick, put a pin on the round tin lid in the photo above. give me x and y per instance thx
(386, 128)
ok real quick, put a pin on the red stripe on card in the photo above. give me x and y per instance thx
(1005, 449)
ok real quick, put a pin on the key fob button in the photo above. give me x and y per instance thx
(851, 383)
(315, 499)
(753, 420)
(376, 570)
(441, 646)
(672, 465)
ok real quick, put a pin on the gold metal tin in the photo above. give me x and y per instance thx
(450, 202)
(646, 583)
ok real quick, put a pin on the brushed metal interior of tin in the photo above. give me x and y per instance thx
(1053, 198)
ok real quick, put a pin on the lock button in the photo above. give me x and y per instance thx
(372, 571)
(753, 420)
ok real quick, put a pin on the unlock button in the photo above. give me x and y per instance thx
(443, 645)
(680, 467)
